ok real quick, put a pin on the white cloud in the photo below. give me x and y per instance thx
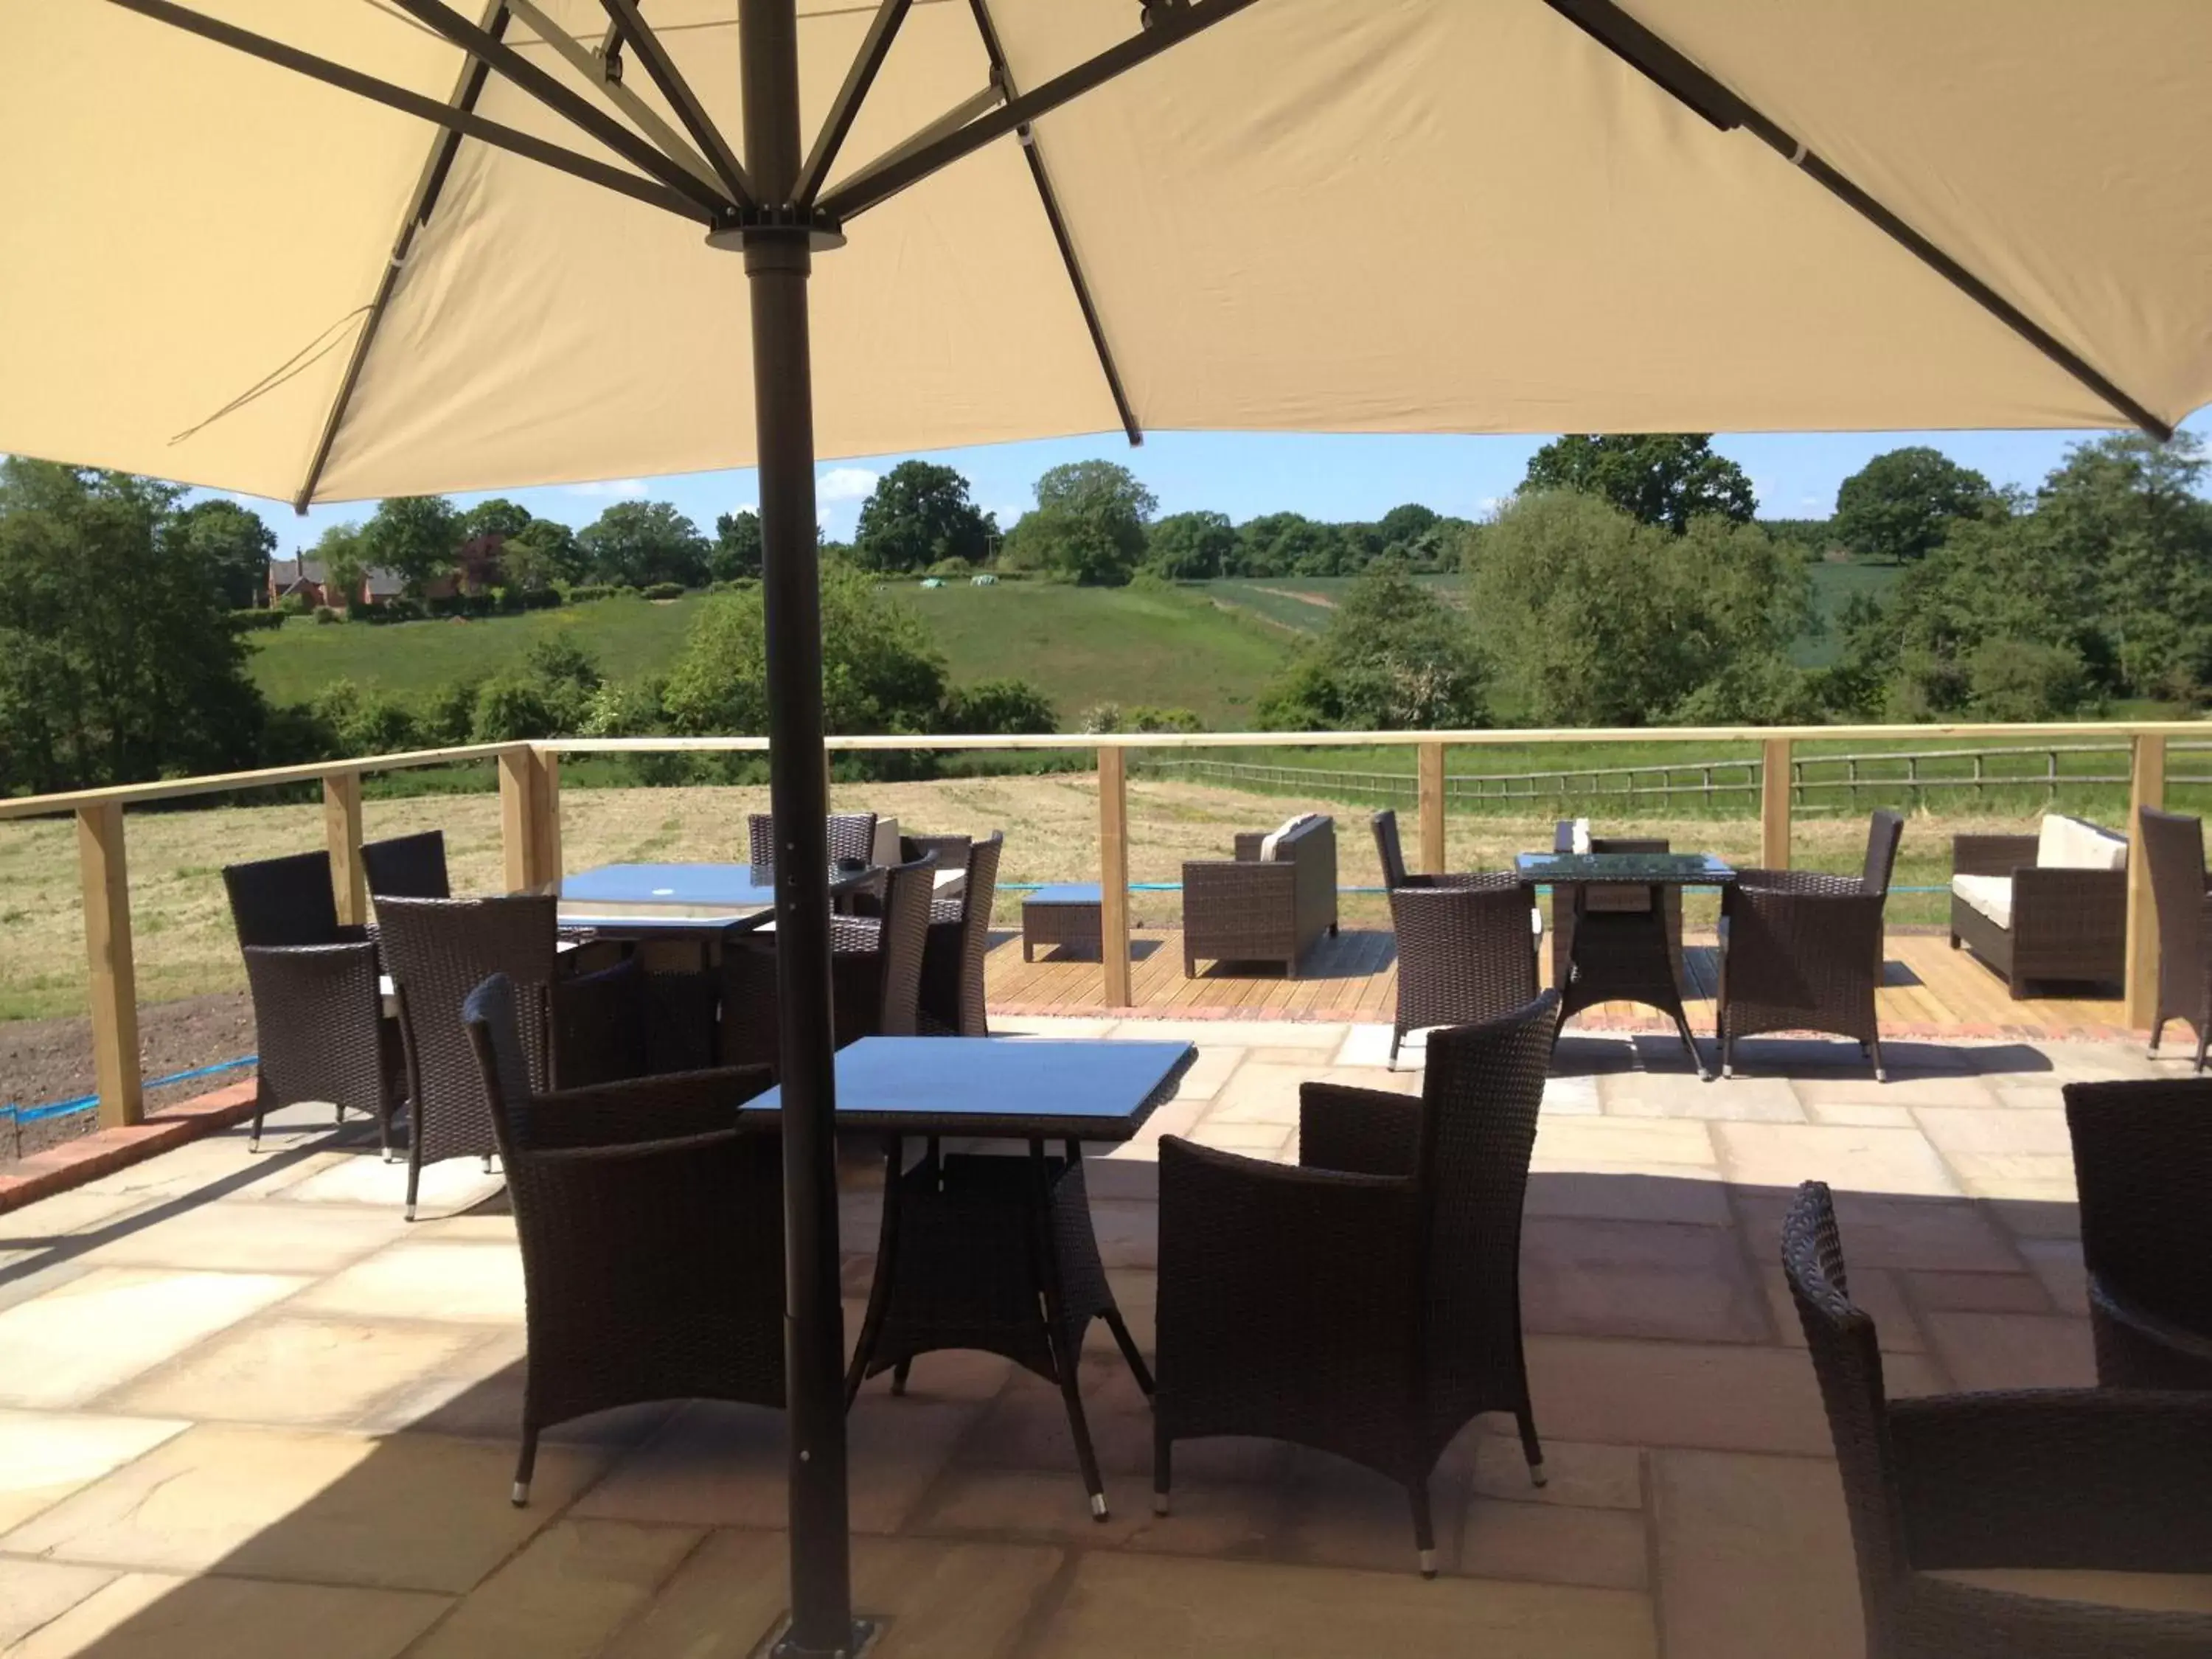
(845, 484)
(1008, 516)
(624, 488)
(1490, 506)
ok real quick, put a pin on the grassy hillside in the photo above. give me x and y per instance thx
(1082, 646)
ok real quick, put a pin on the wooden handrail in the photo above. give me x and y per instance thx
(215, 783)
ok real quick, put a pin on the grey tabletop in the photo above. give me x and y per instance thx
(679, 897)
(1024, 1088)
(1635, 869)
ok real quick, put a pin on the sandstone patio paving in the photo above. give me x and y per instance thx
(247, 1410)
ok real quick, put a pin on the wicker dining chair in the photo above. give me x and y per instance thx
(851, 835)
(407, 867)
(952, 1001)
(1466, 952)
(319, 1030)
(590, 1028)
(2174, 845)
(2091, 1478)
(2142, 1168)
(1367, 1301)
(1801, 951)
(1571, 900)
(650, 1215)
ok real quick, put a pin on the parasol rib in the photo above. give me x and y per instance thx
(678, 91)
(874, 46)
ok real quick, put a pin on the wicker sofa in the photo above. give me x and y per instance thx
(1268, 903)
(2051, 906)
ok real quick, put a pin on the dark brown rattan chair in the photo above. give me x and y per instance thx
(2174, 845)
(1251, 908)
(960, 939)
(407, 867)
(588, 1029)
(875, 967)
(851, 835)
(650, 1216)
(319, 1021)
(1466, 952)
(2092, 1478)
(1366, 1302)
(2143, 1164)
(1801, 951)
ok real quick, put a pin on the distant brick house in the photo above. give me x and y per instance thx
(311, 580)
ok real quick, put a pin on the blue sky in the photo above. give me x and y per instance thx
(1243, 474)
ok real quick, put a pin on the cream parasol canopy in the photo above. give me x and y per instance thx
(322, 249)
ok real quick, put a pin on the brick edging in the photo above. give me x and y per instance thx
(88, 1157)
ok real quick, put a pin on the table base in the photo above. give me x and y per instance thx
(993, 1253)
(1623, 956)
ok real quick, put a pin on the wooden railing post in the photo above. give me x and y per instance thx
(521, 800)
(342, 829)
(104, 878)
(1114, 874)
(548, 815)
(1774, 806)
(1432, 807)
(2146, 787)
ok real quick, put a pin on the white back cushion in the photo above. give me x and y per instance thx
(2067, 843)
(1267, 846)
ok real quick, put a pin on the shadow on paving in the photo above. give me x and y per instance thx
(1692, 1486)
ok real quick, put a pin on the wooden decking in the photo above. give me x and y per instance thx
(1929, 990)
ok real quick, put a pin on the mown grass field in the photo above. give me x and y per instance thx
(1167, 648)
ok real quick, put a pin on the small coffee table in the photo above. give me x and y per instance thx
(1067, 914)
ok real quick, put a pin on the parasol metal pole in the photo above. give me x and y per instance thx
(778, 259)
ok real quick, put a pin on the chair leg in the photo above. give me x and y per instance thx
(1425, 1531)
(1873, 1047)
(523, 1467)
(899, 1372)
(1728, 1053)
(1397, 1037)
(2201, 1041)
(879, 1291)
(414, 1172)
(260, 1105)
(1079, 1426)
(1127, 1344)
(1531, 1447)
(1162, 1465)
(2157, 1031)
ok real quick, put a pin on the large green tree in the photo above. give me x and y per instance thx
(415, 536)
(343, 551)
(495, 517)
(116, 663)
(640, 543)
(1190, 546)
(1394, 657)
(920, 514)
(235, 544)
(739, 551)
(1662, 478)
(1089, 525)
(1599, 620)
(1900, 505)
(880, 670)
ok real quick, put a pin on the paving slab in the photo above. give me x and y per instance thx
(46, 1456)
(1887, 1230)
(433, 1278)
(1878, 1290)
(1738, 1099)
(447, 1187)
(1914, 1090)
(411, 1512)
(1660, 1145)
(1572, 1096)
(1594, 1278)
(1859, 1115)
(35, 1593)
(938, 1599)
(572, 1587)
(2012, 1350)
(1781, 1155)
(1601, 1188)
(146, 1615)
(1578, 1475)
(1754, 1558)
(247, 1235)
(1121, 1607)
(2058, 1263)
(1323, 1039)
(1548, 1544)
(1037, 1506)
(1975, 1292)
(59, 1215)
(326, 1373)
(106, 1326)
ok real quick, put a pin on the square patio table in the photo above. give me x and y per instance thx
(652, 900)
(1623, 954)
(1067, 913)
(992, 1251)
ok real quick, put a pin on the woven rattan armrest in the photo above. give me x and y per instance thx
(1991, 855)
(1238, 876)
(1799, 884)
(1940, 1616)
(2108, 1479)
(2064, 895)
(1372, 1131)
(644, 1111)
(2154, 1327)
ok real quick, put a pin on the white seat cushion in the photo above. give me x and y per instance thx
(2067, 843)
(1987, 896)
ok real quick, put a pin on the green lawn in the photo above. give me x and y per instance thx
(1167, 648)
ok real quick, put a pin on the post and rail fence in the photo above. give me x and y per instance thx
(530, 816)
